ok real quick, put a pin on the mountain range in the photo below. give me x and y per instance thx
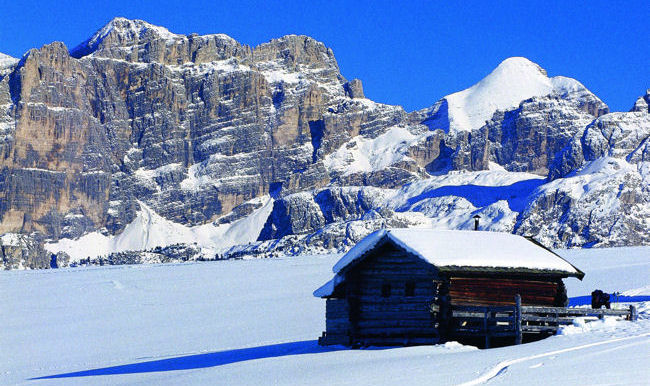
(141, 145)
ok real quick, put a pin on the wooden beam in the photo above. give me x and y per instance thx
(518, 331)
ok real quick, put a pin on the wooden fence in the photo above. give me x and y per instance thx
(514, 321)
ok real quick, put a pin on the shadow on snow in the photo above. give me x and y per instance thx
(199, 361)
(586, 300)
(515, 194)
(220, 358)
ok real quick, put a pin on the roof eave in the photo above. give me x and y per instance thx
(510, 270)
(578, 274)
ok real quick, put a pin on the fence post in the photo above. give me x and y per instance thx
(518, 333)
(633, 314)
(485, 327)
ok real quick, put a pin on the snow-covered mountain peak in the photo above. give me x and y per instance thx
(514, 80)
(642, 104)
(4, 57)
(127, 26)
(511, 82)
(122, 30)
(516, 65)
(6, 64)
(7, 61)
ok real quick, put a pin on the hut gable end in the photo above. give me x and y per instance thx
(388, 258)
(390, 272)
(390, 292)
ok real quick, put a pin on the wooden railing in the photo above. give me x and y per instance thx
(500, 321)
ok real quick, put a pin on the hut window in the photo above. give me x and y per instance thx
(385, 290)
(409, 289)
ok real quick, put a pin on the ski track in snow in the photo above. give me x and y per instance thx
(501, 367)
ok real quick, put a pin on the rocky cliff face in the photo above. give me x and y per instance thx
(226, 141)
(600, 187)
(194, 126)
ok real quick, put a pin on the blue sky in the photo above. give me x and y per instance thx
(407, 53)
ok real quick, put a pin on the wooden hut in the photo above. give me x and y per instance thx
(398, 286)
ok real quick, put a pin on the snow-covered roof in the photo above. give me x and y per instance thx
(460, 250)
(328, 288)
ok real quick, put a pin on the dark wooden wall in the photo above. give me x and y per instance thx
(387, 317)
(337, 321)
(502, 291)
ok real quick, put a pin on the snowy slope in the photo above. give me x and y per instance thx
(449, 201)
(441, 202)
(599, 192)
(6, 60)
(149, 230)
(253, 322)
(513, 81)
(6, 63)
(362, 154)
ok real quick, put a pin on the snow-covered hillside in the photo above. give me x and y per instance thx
(150, 230)
(252, 322)
(449, 201)
(443, 202)
(6, 60)
(6, 63)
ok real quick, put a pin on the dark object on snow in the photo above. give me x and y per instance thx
(476, 219)
(599, 299)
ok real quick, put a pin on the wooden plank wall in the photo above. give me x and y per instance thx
(337, 322)
(398, 318)
(337, 314)
(498, 291)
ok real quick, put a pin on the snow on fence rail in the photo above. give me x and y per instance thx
(514, 321)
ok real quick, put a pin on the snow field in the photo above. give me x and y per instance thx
(256, 322)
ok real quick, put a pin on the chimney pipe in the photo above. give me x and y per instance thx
(476, 218)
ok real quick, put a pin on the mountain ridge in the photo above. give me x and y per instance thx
(206, 133)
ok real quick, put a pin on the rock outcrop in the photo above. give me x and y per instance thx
(642, 104)
(21, 251)
(600, 188)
